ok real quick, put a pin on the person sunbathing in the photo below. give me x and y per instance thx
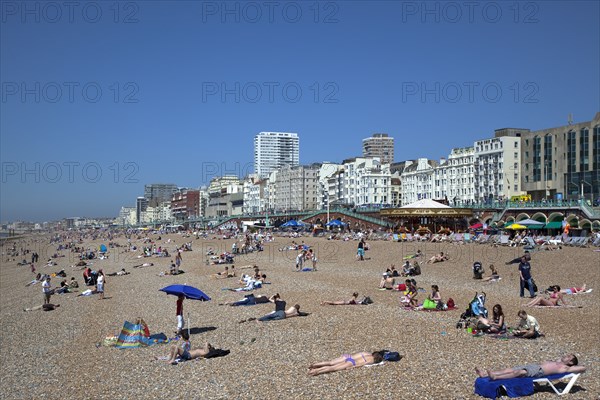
(494, 277)
(346, 361)
(248, 300)
(352, 301)
(566, 364)
(551, 301)
(222, 274)
(438, 258)
(143, 265)
(119, 273)
(575, 290)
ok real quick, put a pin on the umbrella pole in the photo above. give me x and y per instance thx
(188, 323)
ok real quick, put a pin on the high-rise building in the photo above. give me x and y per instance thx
(141, 204)
(273, 150)
(379, 145)
(157, 193)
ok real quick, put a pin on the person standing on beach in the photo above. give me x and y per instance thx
(47, 290)
(100, 284)
(525, 277)
(360, 254)
(180, 320)
(177, 262)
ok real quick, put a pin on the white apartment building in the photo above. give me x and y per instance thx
(294, 188)
(418, 180)
(254, 195)
(497, 166)
(329, 172)
(367, 182)
(157, 214)
(454, 178)
(273, 150)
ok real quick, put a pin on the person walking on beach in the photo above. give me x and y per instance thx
(525, 277)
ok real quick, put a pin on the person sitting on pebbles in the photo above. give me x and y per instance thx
(438, 258)
(185, 352)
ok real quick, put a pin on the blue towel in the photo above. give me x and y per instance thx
(515, 387)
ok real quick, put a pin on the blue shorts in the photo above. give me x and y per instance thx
(361, 252)
(186, 355)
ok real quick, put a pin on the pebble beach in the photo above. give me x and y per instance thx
(58, 354)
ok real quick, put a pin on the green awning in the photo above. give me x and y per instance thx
(553, 225)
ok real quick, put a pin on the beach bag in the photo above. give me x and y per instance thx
(450, 303)
(402, 287)
(391, 356)
(429, 304)
(366, 301)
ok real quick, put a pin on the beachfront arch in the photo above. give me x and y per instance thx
(573, 220)
(510, 220)
(540, 216)
(596, 225)
(585, 224)
(522, 216)
(555, 217)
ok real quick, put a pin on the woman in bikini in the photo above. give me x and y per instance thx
(346, 361)
(352, 301)
(551, 301)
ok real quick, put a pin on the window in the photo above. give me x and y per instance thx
(516, 145)
(548, 157)
(584, 146)
(537, 159)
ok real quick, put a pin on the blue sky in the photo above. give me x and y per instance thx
(96, 100)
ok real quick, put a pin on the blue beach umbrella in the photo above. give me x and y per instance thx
(189, 292)
(336, 222)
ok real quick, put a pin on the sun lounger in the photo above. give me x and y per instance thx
(517, 387)
(548, 379)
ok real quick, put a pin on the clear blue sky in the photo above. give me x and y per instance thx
(170, 111)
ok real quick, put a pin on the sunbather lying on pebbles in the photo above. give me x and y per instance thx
(346, 361)
(352, 301)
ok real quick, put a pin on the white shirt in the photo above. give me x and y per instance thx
(100, 280)
(46, 286)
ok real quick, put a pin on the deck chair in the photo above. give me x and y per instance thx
(504, 240)
(530, 245)
(583, 242)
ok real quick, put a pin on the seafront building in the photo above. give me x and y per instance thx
(551, 164)
(157, 193)
(185, 204)
(294, 188)
(273, 150)
(454, 177)
(379, 145)
(498, 166)
(418, 180)
(562, 162)
(366, 182)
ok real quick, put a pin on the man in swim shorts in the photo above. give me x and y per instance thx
(566, 364)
